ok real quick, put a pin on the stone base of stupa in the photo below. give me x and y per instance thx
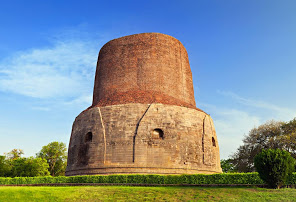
(144, 139)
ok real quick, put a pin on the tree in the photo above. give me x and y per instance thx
(29, 167)
(271, 135)
(4, 167)
(37, 167)
(14, 154)
(227, 166)
(274, 166)
(56, 156)
(288, 138)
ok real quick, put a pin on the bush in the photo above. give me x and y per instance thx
(195, 179)
(274, 166)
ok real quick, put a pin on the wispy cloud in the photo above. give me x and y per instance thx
(281, 113)
(231, 126)
(80, 100)
(232, 123)
(63, 70)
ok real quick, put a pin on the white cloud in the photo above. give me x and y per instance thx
(234, 122)
(64, 70)
(274, 111)
(231, 125)
(85, 99)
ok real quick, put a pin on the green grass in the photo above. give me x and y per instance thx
(124, 193)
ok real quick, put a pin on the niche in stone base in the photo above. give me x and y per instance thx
(157, 133)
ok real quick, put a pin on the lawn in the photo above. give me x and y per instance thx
(125, 193)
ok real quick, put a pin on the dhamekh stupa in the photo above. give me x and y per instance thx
(143, 118)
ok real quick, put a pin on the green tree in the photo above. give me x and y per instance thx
(274, 166)
(29, 167)
(227, 166)
(37, 167)
(4, 167)
(288, 137)
(271, 135)
(15, 154)
(56, 155)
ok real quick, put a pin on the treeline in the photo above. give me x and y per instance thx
(270, 135)
(51, 160)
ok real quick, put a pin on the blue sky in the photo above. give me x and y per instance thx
(242, 55)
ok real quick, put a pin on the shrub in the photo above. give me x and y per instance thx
(274, 166)
(195, 179)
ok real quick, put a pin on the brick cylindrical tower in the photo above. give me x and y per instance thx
(143, 68)
(143, 118)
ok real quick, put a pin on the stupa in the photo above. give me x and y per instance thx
(143, 118)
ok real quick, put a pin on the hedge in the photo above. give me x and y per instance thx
(196, 179)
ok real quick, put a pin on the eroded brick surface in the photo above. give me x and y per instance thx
(151, 62)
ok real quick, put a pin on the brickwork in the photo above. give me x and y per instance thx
(143, 118)
(149, 62)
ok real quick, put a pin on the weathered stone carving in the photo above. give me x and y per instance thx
(143, 118)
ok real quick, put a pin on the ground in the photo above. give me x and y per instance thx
(125, 193)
